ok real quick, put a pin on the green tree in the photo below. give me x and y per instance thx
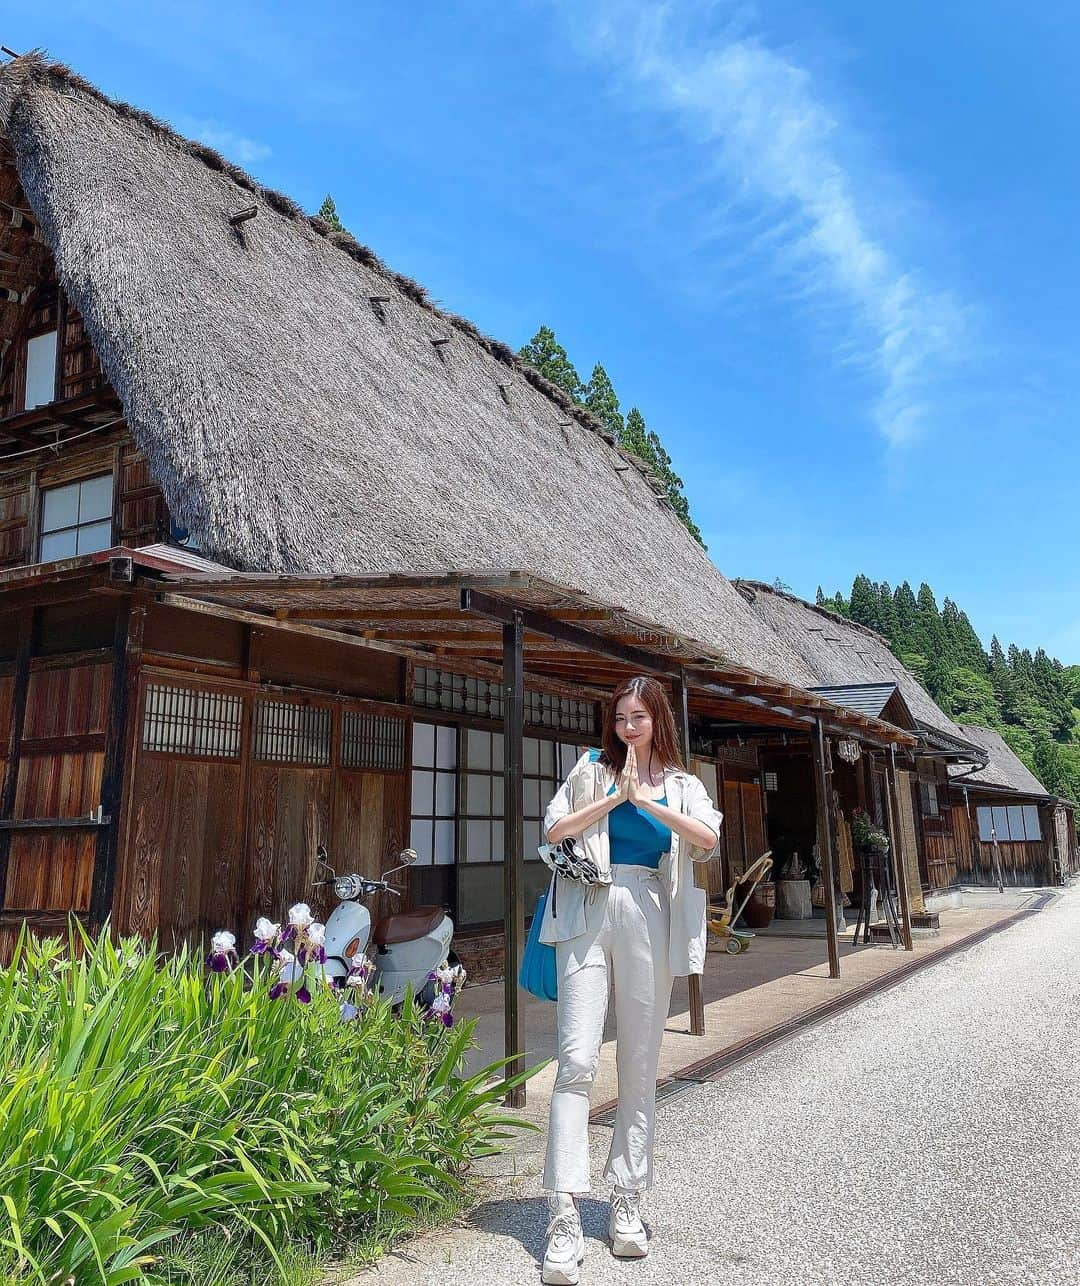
(544, 353)
(864, 602)
(329, 215)
(889, 621)
(906, 611)
(635, 438)
(1049, 766)
(602, 402)
(673, 486)
(973, 698)
(1028, 695)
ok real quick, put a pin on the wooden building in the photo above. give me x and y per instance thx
(954, 771)
(1007, 826)
(290, 556)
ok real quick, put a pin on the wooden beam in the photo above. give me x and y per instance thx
(483, 604)
(892, 799)
(127, 645)
(825, 827)
(513, 689)
(360, 615)
(56, 823)
(491, 638)
(693, 981)
(482, 669)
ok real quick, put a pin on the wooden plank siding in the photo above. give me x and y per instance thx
(905, 789)
(737, 792)
(186, 856)
(216, 842)
(59, 776)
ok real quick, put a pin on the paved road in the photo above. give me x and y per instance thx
(931, 1136)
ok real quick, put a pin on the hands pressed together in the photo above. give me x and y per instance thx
(629, 785)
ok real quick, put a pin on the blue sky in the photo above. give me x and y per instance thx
(827, 248)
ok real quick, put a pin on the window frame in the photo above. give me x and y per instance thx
(194, 716)
(41, 333)
(988, 815)
(41, 533)
(533, 864)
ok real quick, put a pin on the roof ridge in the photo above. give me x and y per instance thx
(33, 67)
(755, 585)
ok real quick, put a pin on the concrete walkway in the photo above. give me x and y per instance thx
(779, 979)
(810, 1163)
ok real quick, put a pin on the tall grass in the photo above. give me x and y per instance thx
(142, 1100)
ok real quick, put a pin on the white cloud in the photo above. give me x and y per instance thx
(775, 158)
(235, 147)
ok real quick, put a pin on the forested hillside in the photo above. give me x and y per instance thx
(1032, 700)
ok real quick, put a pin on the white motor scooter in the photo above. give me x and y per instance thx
(408, 945)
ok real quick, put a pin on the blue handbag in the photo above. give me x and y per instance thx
(538, 975)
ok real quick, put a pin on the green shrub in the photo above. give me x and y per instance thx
(142, 1099)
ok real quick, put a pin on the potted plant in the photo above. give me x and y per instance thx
(866, 834)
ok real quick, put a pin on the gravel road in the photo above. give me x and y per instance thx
(931, 1136)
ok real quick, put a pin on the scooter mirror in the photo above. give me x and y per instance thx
(407, 856)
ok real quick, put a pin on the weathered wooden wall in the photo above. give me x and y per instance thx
(736, 791)
(971, 860)
(59, 776)
(214, 843)
(909, 833)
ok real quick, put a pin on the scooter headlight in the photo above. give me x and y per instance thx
(348, 887)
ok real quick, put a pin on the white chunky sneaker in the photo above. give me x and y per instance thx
(627, 1232)
(565, 1247)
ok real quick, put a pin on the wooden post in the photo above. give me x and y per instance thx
(513, 688)
(693, 982)
(899, 867)
(127, 645)
(24, 650)
(974, 855)
(825, 849)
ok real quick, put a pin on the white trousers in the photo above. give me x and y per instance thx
(628, 922)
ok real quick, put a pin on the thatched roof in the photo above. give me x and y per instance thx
(839, 652)
(295, 400)
(1005, 769)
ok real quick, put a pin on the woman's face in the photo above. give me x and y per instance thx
(633, 723)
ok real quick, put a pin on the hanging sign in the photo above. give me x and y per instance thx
(849, 751)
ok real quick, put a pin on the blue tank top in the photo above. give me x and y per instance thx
(635, 836)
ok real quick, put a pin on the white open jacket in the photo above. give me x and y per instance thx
(564, 913)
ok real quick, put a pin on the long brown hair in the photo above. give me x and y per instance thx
(665, 742)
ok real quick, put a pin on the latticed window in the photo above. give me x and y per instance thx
(543, 710)
(189, 721)
(286, 733)
(463, 694)
(372, 741)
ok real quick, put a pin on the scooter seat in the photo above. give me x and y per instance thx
(406, 926)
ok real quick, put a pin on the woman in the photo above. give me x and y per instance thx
(643, 819)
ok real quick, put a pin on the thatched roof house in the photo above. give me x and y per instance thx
(841, 654)
(304, 408)
(1005, 771)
